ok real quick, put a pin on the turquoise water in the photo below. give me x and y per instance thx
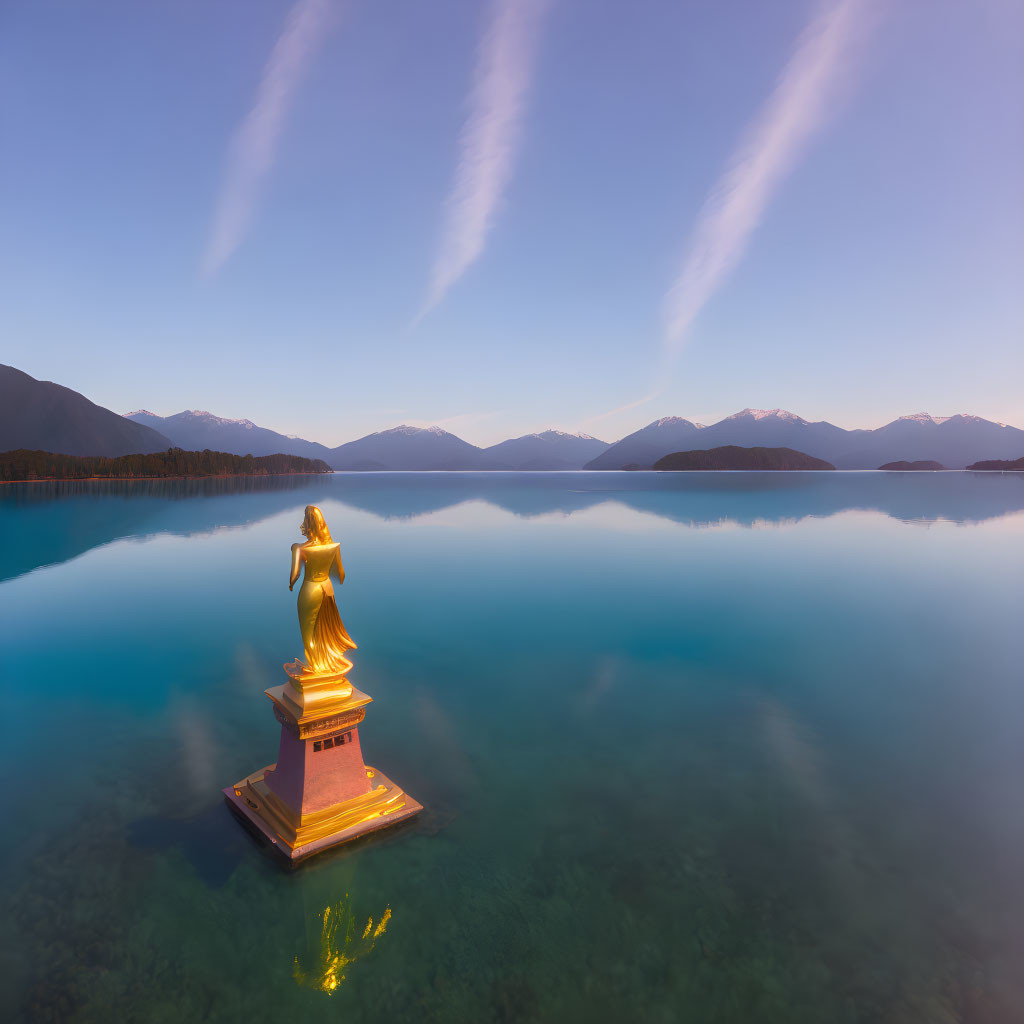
(693, 747)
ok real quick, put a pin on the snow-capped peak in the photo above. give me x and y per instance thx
(763, 414)
(222, 421)
(961, 417)
(964, 417)
(669, 421)
(405, 428)
(552, 433)
(141, 412)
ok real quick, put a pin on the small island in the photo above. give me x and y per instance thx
(921, 466)
(1006, 465)
(23, 465)
(733, 457)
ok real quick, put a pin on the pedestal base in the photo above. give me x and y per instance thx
(299, 837)
(320, 792)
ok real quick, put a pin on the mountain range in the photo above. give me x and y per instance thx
(400, 448)
(42, 415)
(952, 440)
(195, 430)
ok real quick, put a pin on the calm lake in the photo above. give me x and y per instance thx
(692, 747)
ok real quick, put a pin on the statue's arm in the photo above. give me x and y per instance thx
(341, 568)
(296, 562)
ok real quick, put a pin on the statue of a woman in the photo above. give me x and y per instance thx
(323, 635)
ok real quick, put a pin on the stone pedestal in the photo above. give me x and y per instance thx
(320, 792)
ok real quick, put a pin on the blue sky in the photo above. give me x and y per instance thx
(874, 269)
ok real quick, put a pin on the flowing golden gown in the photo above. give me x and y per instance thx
(323, 633)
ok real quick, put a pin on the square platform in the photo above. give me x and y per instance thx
(382, 820)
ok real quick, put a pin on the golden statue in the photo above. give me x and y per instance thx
(320, 792)
(324, 636)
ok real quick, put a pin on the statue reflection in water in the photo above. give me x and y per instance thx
(341, 943)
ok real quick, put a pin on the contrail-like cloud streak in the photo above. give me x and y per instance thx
(620, 408)
(489, 139)
(804, 96)
(254, 145)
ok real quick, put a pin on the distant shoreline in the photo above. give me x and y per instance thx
(488, 472)
(120, 479)
(25, 465)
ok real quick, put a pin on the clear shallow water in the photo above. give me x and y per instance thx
(709, 747)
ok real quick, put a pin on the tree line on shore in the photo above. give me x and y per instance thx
(23, 464)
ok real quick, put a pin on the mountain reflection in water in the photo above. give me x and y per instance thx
(69, 518)
(671, 769)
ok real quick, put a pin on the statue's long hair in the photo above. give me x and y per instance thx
(317, 526)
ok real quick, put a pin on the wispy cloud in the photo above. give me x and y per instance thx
(802, 100)
(460, 421)
(255, 144)
(804, 95)
(489, 139)
(621, 408)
